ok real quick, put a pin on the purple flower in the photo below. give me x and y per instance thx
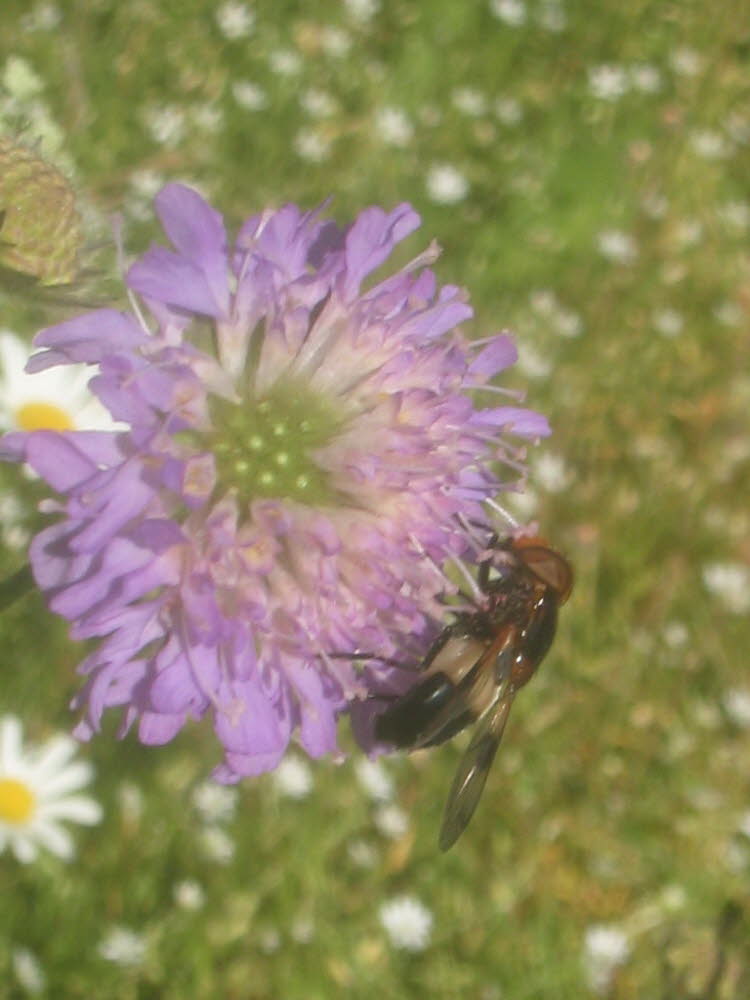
(303, 454)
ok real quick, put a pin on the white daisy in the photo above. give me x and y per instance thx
(374, 778)
(736, 703)
(57, 399)
(235, 20)
(123, 947)
(512, 12)
(393, 126)
(608, 82)
(311, 146)
(730, 584)
(605, 948)
(28, 971)
(217, 845)
(249, 95)
(215, 803)
(189, 894)
(445, 184)
(391, 821)
(293, 778)
(617, 246)
(407, 922)
(35, 793)
(165, 123)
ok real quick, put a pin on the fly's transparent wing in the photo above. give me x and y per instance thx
(472, 772)
(487, 679)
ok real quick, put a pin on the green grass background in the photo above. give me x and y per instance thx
(617, 796)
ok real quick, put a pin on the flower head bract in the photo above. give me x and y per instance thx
(303, 452)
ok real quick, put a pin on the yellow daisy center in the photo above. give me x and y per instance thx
(17, 801)
(43, 417)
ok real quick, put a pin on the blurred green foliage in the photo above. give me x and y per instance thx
(606, 152)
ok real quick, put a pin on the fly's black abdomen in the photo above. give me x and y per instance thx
(412, 714)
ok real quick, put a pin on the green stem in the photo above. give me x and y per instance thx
(15, 586)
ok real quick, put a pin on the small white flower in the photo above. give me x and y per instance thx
(531, 362)
(189, 894)
(512, 12)
(217, 845)
(207, 117)
(269, 940)
(55, 399)
(394, 126)
(13, 530)
(551, 473)
(743, 824)
(20, 79)
(605, 948)
(617, 246)
(43, 17)
(302, 930)
(730, 583)
(285, 62)
(686, 62)
(215, 803)
(318, 103)
(165, 124)
(293, 778)
(469, 101)
(28, 971)
(235, 20)
(568, 323)
(311, 146)
(687, 232)
(123, 947)
(249, 95)
(655, 205)
(646, 78)
(407, 922)
(675, 634)
(552, 17)
(446, 185)
(392, 821)
(335, 41)
(362, 854)
(544, 301)
(607, 82)
(362, 10)
(36, 787)
(374, 779)
(736, 214)
(146, 183)
(130, 798)
(736, 704)
(668, 322)
(523, 506)
(727, 313)
(508, 110)
(709, 145)
(737, 126)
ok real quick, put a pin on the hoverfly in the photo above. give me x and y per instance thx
(476, 666)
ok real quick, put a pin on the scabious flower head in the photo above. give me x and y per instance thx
(302, 454)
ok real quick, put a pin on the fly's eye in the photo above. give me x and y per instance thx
(549, 567)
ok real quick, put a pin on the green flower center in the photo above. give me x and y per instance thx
(265, 448)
